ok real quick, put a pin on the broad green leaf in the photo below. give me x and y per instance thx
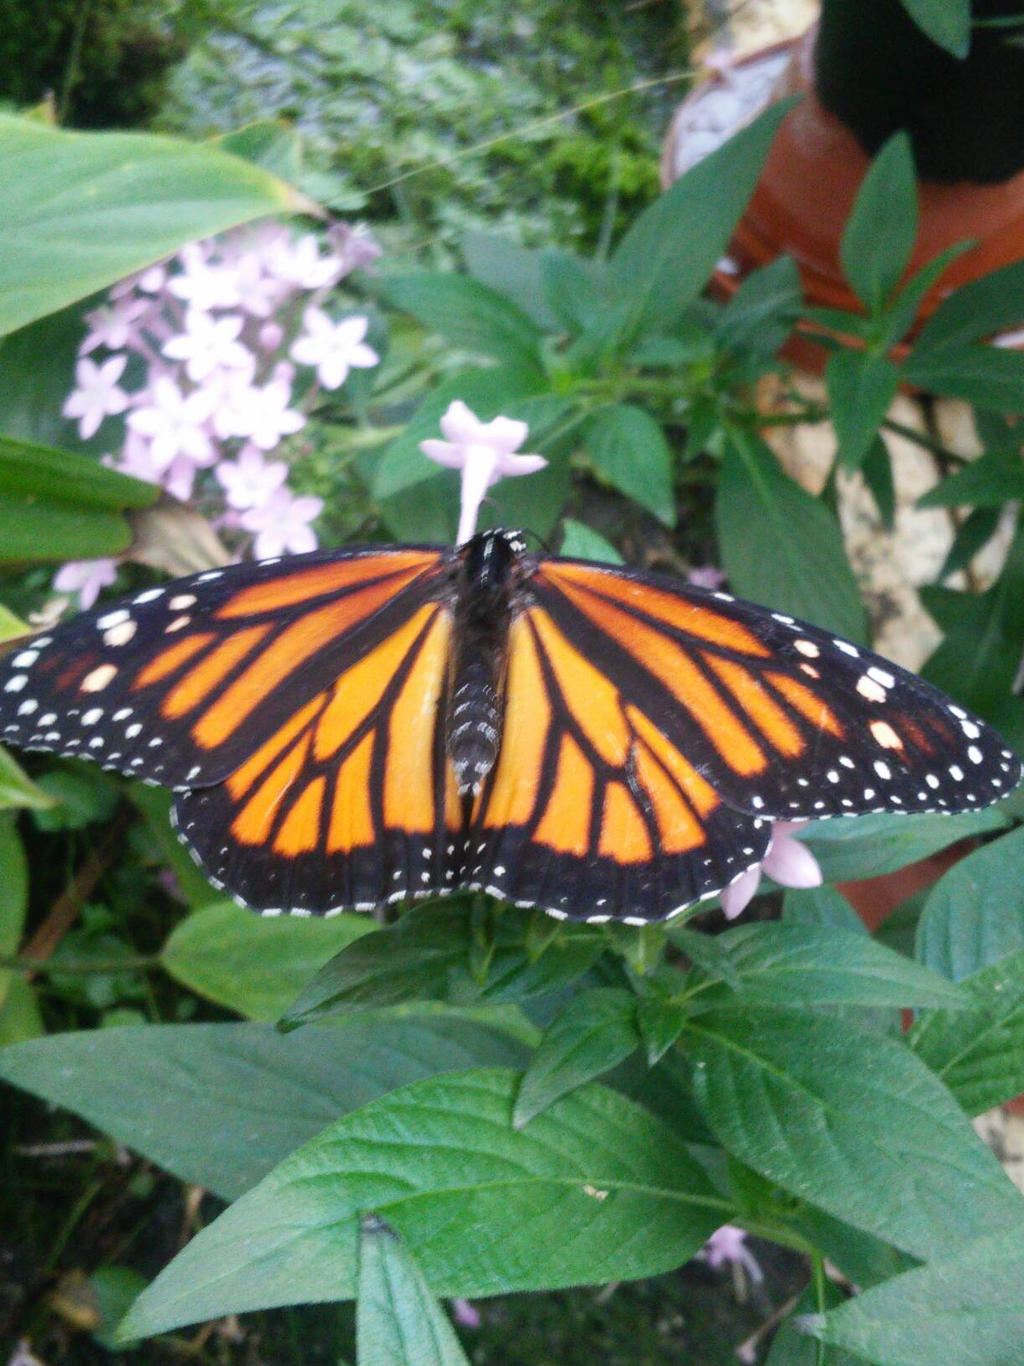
(32, 531)
(112, 1290)
(20, 1018)
(16, 788)
(577, 292)
(581, 542)
(971, 537)
(796, 562)
(866, 846)
(594, 1033)
(429, 955)
(899, 314)
(805, 965)
(993, 479)
(249, 963)
(975, 310)
(220, 1104)
(398, 1320)
(13, 896)
(792, 1347)
(979, 1052)
(964, 1307)
(978, 659)
(628, 449)
(852, 1122)
(975, 914)
(82, 210)
(861, 387)
(46, 474)
(467, 314)
(988, 376)
(660, 1023)
(37, 372)
(511, 270)
(595, 1189)
(824, 906)
(879, 234)
(860, 1256)
(666, 257)
(270, 143)
(760, 315)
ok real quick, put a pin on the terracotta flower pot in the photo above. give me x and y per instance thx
(810, 180)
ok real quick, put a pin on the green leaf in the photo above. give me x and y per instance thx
(19, 1015)
(580, 542)
(899, 315)
(112, 1290)
(65, 477)
(660, 1023)
(760, 315)
(220, 1104)
(977, 661)
(398, 1320)
(82, 210)
(428, 954)
(37, 372)
(13, 896)
(861, 386)
(866, 846)
(628, 449)
(989, 376)
(154, 803)
(17, 789)
(251, 964)
(975, 310)
(795, 965)
(594, 1033)
(32, 531)
(792, 1347)
(510, 270)
(979, 1052)
(879, 234)
(946, 22)
(993, 479)
(975, 914)
(577, 292)
(797, 561)
(972, 535)
(467, 314)
(666, 257)
(963, 1307)
(595, 1189)
(850, 1121)
(824, 906)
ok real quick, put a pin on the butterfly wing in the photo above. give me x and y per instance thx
(591, 810)
(782, 719)
(181, 684)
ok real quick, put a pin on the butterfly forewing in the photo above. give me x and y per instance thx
(181, 684)
(782, 719)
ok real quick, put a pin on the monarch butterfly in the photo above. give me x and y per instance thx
(355, 727)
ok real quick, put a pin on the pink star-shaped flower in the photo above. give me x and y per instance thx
(114, 324)
(251, 481)
(86, 578)
(265, 416)
(208, 344)
(174, 424)
(334, 348)
(97, 395)
(282, 524)
(788, 862)
(484, 451)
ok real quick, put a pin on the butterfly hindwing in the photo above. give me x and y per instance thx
(782, 718)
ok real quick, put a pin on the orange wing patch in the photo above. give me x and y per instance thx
(590, 589)
(513, 796)
(254, 823)
(351, 818)
(409, 774)
(396, 569)
(809, 704)
(300, 831)
(599, 715)
(566, 822)
(754, 702)
(624, 835)
(204, 677)
(170, 659)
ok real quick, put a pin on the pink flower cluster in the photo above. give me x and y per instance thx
(219, 330)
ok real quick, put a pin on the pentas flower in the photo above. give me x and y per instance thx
(97, 395)
(213, 327)
(334, 348)
(727, 1247)
(208, 344)
(484, 452)
(86, 578)
(282, 525)
(787, 862)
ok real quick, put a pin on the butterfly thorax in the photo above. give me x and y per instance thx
(485, 589)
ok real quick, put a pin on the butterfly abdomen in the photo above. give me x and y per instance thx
(476, 685)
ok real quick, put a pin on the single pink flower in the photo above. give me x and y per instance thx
(484, 452)
(706, 576)
(251, 481)
(300, 264)
(281, 525)
(98, 394)
(788, 862)
(265, 416)
(208, 344)
(175, 424)
(86, 578)
(151, 280)
(727, 1247)
(114, 324)
(334, 348)
(204, 285)
(465, 1313)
